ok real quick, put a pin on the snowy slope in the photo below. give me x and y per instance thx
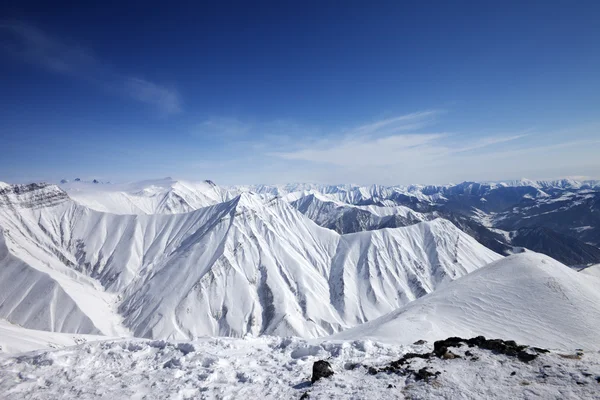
(528, 297)
(247, 265)
(161, 196)
(593, 270)
(15, 339)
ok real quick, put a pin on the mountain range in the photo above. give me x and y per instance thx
(182, 260)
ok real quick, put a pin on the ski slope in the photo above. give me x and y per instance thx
(527, 297)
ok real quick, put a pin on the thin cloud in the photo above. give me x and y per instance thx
(383, 143)
(30, 44)
(413, 121)
(490, 141)
(223, 127)
(391, 150)
(148, 92)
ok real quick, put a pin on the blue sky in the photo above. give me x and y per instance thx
(368, 92)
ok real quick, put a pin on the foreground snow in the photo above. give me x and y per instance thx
(280, 368)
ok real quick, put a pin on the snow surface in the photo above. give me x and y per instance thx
(280, 368)
(528, 297)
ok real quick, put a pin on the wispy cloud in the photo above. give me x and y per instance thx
(30, 44)
(148, 92)
(390, 142)
(401, 149)
(222, 127)
(389, 126)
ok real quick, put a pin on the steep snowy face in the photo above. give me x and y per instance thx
(346, 218)
(34, 195)
(247, 265)
(377, 270)
(528, 297)
(31, 298)
(162, 196)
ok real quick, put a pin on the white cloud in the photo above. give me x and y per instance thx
(389, 152)
(30, 44)
(148, 92)
(413, 121)
(386, 151)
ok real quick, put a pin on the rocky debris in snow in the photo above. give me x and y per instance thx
(441, 350)
(321, 369)
(420, 342)
(424, 375)
(497, 346)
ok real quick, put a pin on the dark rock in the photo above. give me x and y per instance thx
(321, 369)
(513, 373)
(425, 375)
(509, 347)
(468, 353)
(422, 374)
(305, 396)
(390, 386)
(420, 342)
(526, 357)
(440, 347)
(372, 371)
(398, 365)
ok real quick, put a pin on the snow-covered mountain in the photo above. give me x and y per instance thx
(160, 196)
(246, 265)
(347, 218)
(527, 297)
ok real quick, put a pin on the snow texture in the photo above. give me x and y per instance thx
(280, 368)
